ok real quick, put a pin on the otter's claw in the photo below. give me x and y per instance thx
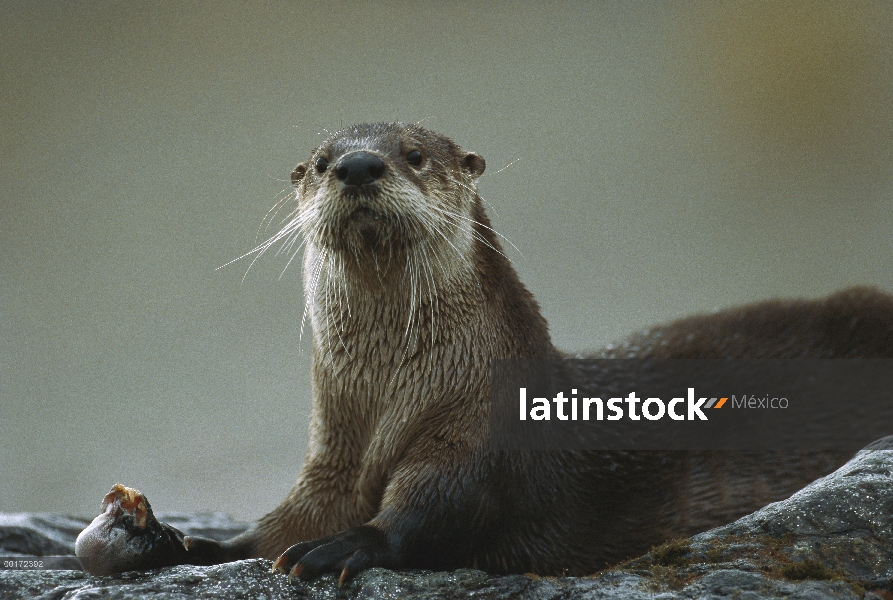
(346, 553)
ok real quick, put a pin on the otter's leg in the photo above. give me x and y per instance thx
(432, 512)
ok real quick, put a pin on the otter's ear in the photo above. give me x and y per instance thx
(298, 174)
(474, 164)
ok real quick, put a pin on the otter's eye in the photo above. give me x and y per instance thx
(414, 158)
(321, 165)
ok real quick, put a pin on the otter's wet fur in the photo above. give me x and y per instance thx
(409, 297)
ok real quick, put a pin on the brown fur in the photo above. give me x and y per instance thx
(401, 355)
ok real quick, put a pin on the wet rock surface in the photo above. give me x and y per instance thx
(833, 539)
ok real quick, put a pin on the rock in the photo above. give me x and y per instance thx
(833, 539)
(38, 534)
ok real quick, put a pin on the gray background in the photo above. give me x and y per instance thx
(671, 158)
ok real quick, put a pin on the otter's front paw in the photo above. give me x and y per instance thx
(347, 552)
(128, 537)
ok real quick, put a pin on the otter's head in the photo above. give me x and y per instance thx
(385, 207)
(385, 189)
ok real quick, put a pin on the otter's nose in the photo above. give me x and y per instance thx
(359, 168)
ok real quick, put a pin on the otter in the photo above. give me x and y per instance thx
(410, 297)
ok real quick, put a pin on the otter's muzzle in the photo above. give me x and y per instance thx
(359, 168)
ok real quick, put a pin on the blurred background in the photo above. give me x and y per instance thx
(667, 158)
